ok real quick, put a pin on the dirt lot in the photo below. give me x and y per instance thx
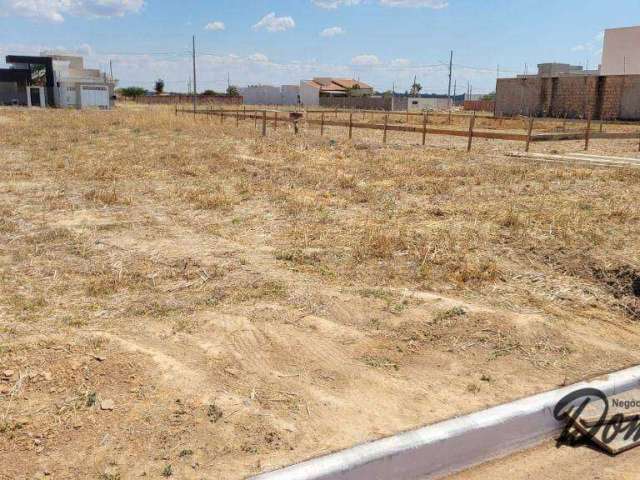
(183, 298)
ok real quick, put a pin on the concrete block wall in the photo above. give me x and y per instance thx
(611, 91)
(630, 103)
(361, 103)
(573, 96)
(183, 98)
(519, 96)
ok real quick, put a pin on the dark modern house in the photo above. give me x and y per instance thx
(54, 80)
(28, 81)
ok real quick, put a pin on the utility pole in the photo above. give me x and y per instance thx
(455, 88)
(450, 73)
(195, 88)
(111, 69)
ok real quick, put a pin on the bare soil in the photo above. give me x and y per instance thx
(183, 298)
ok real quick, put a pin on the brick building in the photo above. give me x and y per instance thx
(560, 90)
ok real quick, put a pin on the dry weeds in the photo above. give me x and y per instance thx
(250, 302)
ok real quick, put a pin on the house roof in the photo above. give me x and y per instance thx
(336, 84)
(348, 83)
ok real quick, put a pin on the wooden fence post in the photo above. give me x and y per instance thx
(424, 129)
(601, 126)
(221, 115)
(529, 131)
(336, 112)
(322, 124)
(237, 118)
(244, 112)
(176, 109)
(275, 121)
(264, 123)
(255, 119)
(587, 134)
(449, 116)
(386, 122)
(472, 122)
(350, 126)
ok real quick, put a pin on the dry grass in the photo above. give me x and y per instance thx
(310, 288)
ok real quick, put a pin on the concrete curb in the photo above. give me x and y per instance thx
(452, 445)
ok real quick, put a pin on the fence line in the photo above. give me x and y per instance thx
(471, 133)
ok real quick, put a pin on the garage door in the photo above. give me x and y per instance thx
(94, 96)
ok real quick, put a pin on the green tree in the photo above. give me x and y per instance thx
(210, 92)
(233, 91)
(416, 88)
(132, 92)
(490, 96)
(159, 87)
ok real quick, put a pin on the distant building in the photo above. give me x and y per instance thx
(312, 90)
(621, 52)
(270, 95)
(562, 90)
(54, 80)
(420, 104)
(554, 69)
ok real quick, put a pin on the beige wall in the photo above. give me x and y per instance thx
(621, 52)
(309, 95)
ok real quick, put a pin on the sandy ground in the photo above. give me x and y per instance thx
(187, 299)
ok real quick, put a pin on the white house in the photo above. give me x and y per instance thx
(79, 87)
(621, 52)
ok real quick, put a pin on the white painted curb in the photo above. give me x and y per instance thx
(452, 445)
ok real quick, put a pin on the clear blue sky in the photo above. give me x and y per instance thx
(282, 41)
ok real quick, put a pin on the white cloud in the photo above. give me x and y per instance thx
(332, 32)
(592, 46)
(259, 58)
(215, 26)
(400, 62)
(435, 4)
(333, 4)
(56, 10)
(272, 23)
(365, 60)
